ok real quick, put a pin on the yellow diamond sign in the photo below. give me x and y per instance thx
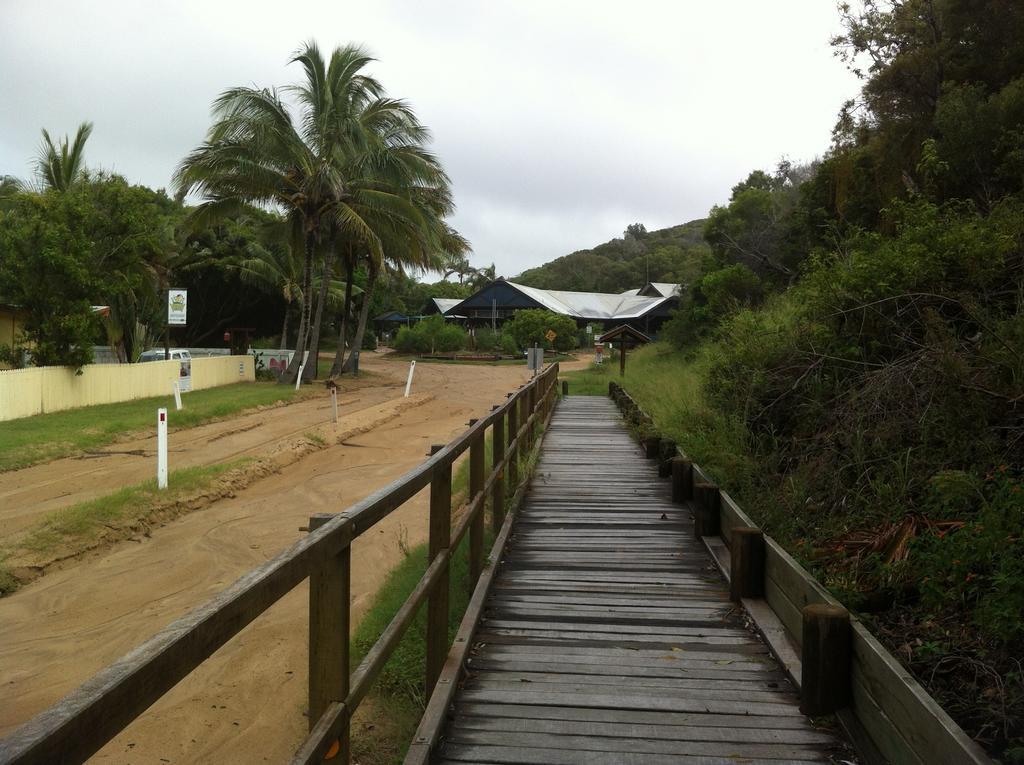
(550, 335)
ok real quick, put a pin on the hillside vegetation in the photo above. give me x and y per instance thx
(850, 360)
(675, 255)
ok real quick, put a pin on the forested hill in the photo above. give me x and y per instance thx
(673, 254)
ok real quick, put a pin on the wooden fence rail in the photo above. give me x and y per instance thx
(81, 723)
(888, 716)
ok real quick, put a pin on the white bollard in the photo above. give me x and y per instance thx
(298, 377)
(177, 396)
(408, 383)
(334, 405)
(161, 448)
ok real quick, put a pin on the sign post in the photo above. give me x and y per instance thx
(177, 396)
(177, 307)
(177, 311)
(334, 404)
(161, 448)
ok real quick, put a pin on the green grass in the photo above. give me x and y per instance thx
(592, 381)
(78, 526)
(32, 440)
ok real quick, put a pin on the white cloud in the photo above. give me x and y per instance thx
(560, 123)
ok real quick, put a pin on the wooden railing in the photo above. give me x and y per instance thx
(836, 663)
(80, 724)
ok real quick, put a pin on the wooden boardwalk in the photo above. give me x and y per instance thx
(609, 638)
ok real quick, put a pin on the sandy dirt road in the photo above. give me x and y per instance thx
(246, 703)
(27, 495)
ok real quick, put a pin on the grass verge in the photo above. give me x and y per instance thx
(32, 440)
(83, 525)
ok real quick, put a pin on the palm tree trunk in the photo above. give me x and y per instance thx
(339, 353)
(314, 343)
(284, 327)
(364, 313)
(306, 306)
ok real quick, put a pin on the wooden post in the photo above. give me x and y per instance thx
(440, 540)
(622, 359)
(565, 387)
(651, 447)
(705, 517)
(498, 488)
(682, 480)
(825, 659)
(524, 416)
(329, 598)
(666, 453)
(746, 564)
(476, 526)
(513, 452)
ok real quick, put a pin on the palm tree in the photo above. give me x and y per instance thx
(254, 154)
(277, 270)
(344, 173)
(59, 165)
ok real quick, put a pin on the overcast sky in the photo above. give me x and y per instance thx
(560, 123)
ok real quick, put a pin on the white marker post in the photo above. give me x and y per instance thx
(334, 405)
(161, 448)
(177, 396)
(408, 383)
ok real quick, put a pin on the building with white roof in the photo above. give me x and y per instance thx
(645, 308)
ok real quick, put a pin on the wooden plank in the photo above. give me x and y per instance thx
(529, 755)
(626, 698)
(458, 734)
(632, 716)
(730, 734)
(926, 728)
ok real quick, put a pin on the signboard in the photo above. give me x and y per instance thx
(598, 353)
(177, 305)
(185, 375)
(550, 335)
(535, 359)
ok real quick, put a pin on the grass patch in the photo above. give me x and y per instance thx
(315, 438)
(45, 437)
(592, 381)
(80, 525)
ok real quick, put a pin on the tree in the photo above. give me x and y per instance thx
(344, 175)
(100, 242)
(59, 165)
(531, 326)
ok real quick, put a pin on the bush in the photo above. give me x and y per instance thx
(432, 335)
(532, 325)
(485, 339)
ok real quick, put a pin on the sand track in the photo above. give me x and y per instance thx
(246, 703)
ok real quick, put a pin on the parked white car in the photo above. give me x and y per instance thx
(158, 354)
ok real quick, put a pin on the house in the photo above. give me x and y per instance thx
(645, 309)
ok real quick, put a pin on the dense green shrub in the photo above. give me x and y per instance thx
(485, 339)
(432, 335)
(532, 325)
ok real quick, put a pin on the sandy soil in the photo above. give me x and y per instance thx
(246, 703)
(29, 494)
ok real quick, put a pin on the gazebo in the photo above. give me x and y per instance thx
(627, 337)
